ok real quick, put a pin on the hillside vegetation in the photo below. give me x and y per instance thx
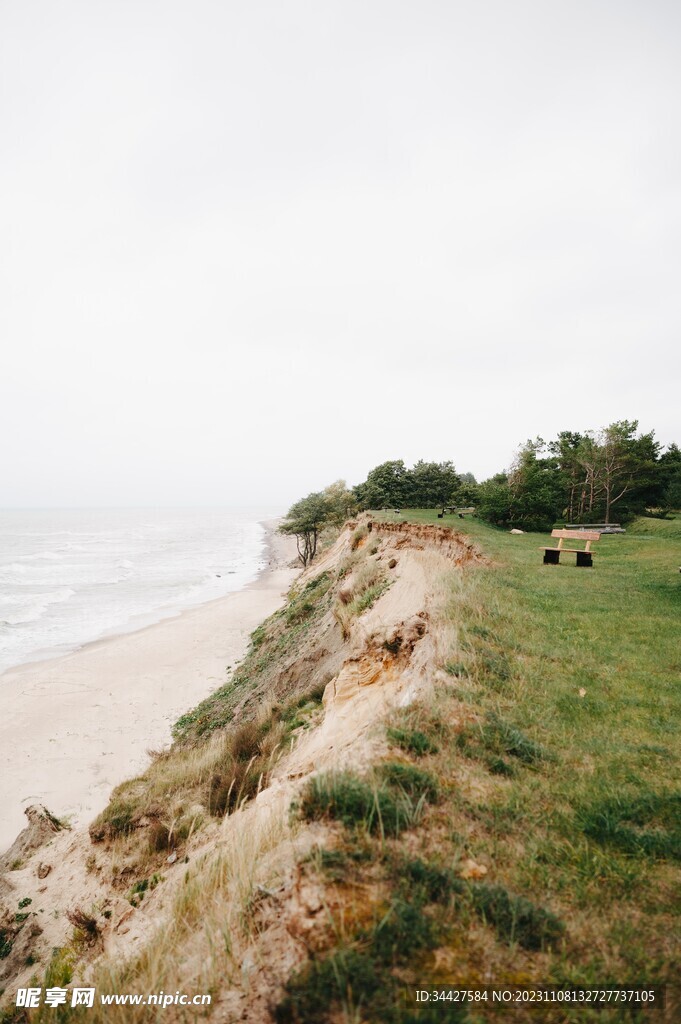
(556, 753)
(441, 762)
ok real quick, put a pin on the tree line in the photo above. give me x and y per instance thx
(588, 477)
(612, 474)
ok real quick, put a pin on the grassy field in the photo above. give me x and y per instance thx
(537, 839)
(557, 750)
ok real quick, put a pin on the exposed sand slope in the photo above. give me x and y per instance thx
(388, 657)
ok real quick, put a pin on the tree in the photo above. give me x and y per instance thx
(305, 519)
(392, 485)
(628, 465)
(340, 503)
(669, 479)
(309, 516)
(571, 452)
(494, 500)
(386, 486)
(536, 486)
(466, 494)
(432, 484)
(585, 477)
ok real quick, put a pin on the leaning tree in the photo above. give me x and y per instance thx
(304, 520)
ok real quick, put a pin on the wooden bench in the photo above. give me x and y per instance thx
(584, 555)
(453, 510)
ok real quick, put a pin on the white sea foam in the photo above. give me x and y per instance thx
(110, 570)
(24, 608)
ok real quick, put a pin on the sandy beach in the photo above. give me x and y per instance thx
(74, 727)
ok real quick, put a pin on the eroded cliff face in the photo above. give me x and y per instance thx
(424, 536)
(230, 909)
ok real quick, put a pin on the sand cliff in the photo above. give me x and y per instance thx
(367, 660)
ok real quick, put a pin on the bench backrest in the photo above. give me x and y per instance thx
(576, 535)
(587, 535)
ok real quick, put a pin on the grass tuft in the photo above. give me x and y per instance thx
(404, 929)
(641, 825)
(411, 780)
(358, 803)
(495, 739)
(413, 741)
(515, 918)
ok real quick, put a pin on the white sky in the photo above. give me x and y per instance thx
(249, 247)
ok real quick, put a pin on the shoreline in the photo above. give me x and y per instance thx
(74, 726)
(143, 620)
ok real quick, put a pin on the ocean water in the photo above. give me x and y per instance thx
(69, 576)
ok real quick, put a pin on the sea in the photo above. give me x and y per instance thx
(70, 576)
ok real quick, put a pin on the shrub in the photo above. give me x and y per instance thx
(119, 818)
(413, 741)
(245, 741)
(436, 883)
(404, 929)
(159, 837)
(228, 790)
(85, 923)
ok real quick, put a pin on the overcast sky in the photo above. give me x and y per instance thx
(247, 248)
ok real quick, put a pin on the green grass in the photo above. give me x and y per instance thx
(413, 741)
(413, 781)
(386, 941)
(368, 597)
(278, 638)
(515, 918)
(386, 805)
(493, 741)
(571, 684)
(363, 974)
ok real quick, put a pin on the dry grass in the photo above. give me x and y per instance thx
(183, 788)
(199, 947)
(358, 536)
(226, 748)
(360, 591)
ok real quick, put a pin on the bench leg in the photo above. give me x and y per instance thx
(584, 558)
(551, 557)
